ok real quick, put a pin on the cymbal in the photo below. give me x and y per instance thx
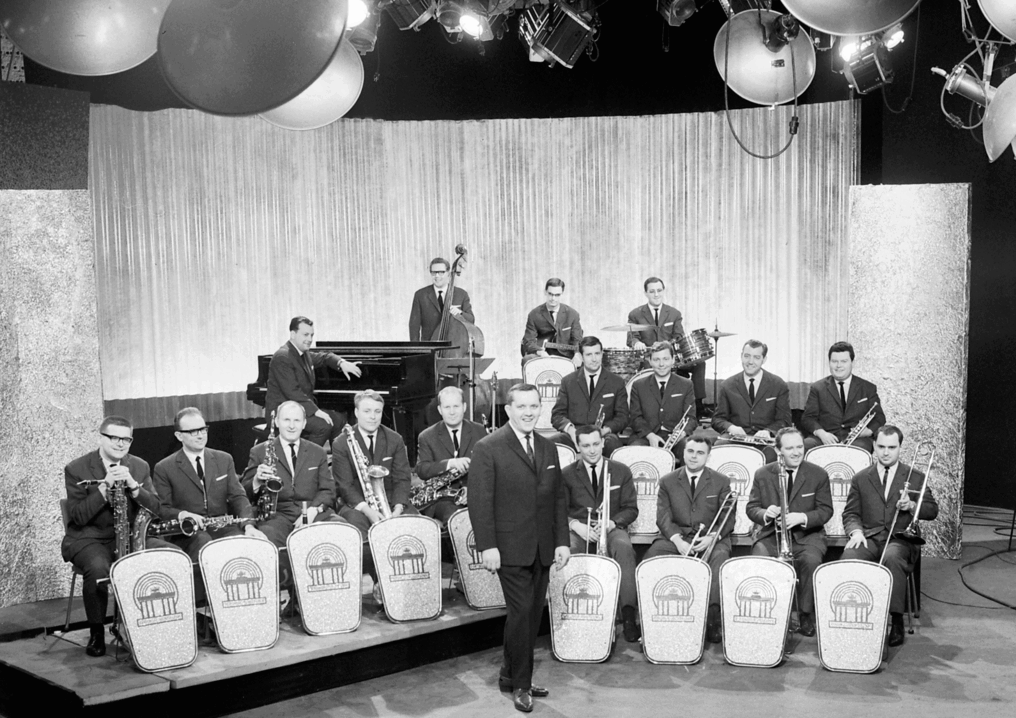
(627, 327)
(717, 334)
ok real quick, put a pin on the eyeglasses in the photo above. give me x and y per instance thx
(438, 274)
(194, 432)
(119, 439)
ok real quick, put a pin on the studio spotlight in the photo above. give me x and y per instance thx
(358, 12)
(363, 37)
(1002, 16)
(866, 63)
(471, 24)
(557, 33)
(411, 14)
(1000, 115)
(449, 14)
(852, 17)
(677, 12)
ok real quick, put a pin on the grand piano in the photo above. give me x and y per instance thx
(402, 372)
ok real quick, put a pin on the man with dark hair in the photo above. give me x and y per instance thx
(809, 506)
(519, 512)
(839, 402)
(552, 322)
(658, 402)
(753, 402)
(429, 302)
(689, 497)
(591, 393)
(291, 377)
(90, 541)
(586, 484)
(876, 494)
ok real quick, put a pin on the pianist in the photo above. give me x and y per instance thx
(291, 377)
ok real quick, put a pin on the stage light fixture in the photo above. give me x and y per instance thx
(363, 37)
(677, 12)
(471, 24)
(557, 33)
(851, 17)
(411, 14)
(999, 117)
(358, 12)
(866, 63)
(1002, 16)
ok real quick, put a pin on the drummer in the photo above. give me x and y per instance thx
(663, 323)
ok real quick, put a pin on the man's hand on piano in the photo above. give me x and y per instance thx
(349, 367)
(322, 414)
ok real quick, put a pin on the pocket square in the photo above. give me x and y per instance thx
(806, 495)
(772, 398)
(862, 400)
(552, 466)
(220, 478)
(564, 329)
(668, 324)
(712, 496)
(674, 396)
(387, 458)
(614, 488)
(607, 396)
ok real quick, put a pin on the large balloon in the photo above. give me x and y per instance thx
(1001, 14)
(84, 37)
(850, 17)
(328, 98)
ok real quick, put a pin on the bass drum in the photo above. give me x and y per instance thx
(694, 348)
(626, 363)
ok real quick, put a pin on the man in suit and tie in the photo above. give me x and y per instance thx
(875, 495)
(588, 392)
(664, 326)
(688, 498)
(839, 402)
(753, 402)
(660, 400)
(291, 377)
(585, 486)
(554, 322)
(197, 482)
(428, 303)
(518, 510)
(809, 506)
(447, 446)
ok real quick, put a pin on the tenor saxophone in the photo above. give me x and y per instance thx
(438, 487)
(371, 478)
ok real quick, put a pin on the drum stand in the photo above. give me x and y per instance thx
(716, 335)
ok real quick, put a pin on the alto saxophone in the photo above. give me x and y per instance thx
(268, 499)
(128, 538)
(371, 478)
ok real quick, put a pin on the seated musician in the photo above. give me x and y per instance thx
(584, 486)
(196, 483)
(446, 446)
(428, 303)
(809, 506)
(291, 377)
(90, 540)
(753, 402)
(688, 498)
(554, 322)
(658, 402)
(591, 394)
(665, 326)
(381, 447)
(839, 402)
(876, 493)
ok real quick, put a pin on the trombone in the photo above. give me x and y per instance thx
(715, 528)
(603, 517)
(912, 532)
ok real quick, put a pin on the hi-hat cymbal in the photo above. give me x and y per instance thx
(627, 327)
(717, 334)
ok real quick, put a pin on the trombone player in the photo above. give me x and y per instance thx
(809, 505)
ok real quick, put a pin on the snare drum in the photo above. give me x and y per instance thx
(693, 348)
(626, 363)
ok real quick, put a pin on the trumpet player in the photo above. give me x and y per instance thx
(90, 540)
(839, 402)
(753, 402)
(809, 505)
(658, 402)
(586, 484)
(690, 498)
(877, 508)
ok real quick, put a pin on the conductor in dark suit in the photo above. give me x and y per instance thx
(445, 446)
(753, 402)
(291, 377)
(688, 498)
(553, 321)
(428, 303)
(658, 402)
(875, 495)
(839, 402)
(809, 506)
(518, 510)
(589, 391)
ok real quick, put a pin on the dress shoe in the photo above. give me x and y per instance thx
(504, 684)
(896, 634)
(714, 634)
(523, 700)
(97, 643)
(807, 625)
(631, 630)
(538, 691)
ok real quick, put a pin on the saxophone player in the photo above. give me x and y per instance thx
(90, 540)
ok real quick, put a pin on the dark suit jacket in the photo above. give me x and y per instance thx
(811, 495)
(91, 516)
(670, 325)
(539, 329)
(179, 488)
(425, 315)
(823, 410)
(649, 413)
(389, 452)
(516, 507)
(434, 447)
(771, 409)
(867, 509)
(575, 406)
(291, 377)
(312, 482)
(624, 500)
(678, 513)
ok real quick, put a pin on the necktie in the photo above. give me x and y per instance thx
(693, 479)
(440, 299)
(663, 388)
(553, 317)
(885, 481)
(790, 483)
(596, 488)
(529, 449)
(656, 315)
(292, 455)
(201, 471)
(843, 397)
(370, 447)
(751, 390)
(592, 383)
(455, 441)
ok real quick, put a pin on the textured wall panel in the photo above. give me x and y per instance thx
(50, 395)
(909, 316)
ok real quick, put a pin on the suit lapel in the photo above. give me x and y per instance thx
(98, 467)
(764, 385)
(799, 479)
(445, 438)
(282, 452)
(744, 392)
(184, 464)
(686, 485)
(834, 390)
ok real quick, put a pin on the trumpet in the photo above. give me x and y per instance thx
(371, 477)
(861, 426)
(678, 429)
(268, 500)
(716, 527)
(748, 439)
(599, 418)
(912, 532)
(783, 536)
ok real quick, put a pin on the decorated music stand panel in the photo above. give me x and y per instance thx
(647, 466)
(851, 610)
(756, 593)
(631, 382)
(583, 604)
(482, 588)
(241, 575)
(739, 464)
(841, 463)
(546, 374)
(673, 605)
(407, 557)
(327, 562)
(154, 590)
(565, 455)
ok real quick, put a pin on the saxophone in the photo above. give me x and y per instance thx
(438, 487)
(371, 478)
(268, 500)
(128, 538)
